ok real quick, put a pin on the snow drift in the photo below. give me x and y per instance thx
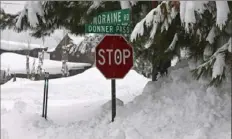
(72, 101)
(90, 85)
(175, 107)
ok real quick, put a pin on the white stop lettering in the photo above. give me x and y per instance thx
(117, 57)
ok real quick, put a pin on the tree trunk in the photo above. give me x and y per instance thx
(154, 72)
(27, 66)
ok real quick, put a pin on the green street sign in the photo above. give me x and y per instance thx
(113, 17)
(107, 29)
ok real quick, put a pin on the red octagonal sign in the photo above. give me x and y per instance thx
(114, 56)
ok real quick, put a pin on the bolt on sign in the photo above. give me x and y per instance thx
(113, 17)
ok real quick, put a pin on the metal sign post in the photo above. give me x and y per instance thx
(45, 97)
(113, 91)
(114, 59)
(114, 55)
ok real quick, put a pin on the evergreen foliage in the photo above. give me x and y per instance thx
(159, 34)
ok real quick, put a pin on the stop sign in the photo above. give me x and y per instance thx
(114, 56)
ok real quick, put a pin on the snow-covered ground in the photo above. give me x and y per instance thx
(175, 107)
(17, 64)
(71, 100)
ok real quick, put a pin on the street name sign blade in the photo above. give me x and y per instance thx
(113, 17)
(107, 29)
(114, 57)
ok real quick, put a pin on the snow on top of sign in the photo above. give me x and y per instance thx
(13, 46)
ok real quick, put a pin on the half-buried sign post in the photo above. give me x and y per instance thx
(45, 97)
(114, 59)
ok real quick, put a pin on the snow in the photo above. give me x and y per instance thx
(138, 30)
(154, 18)
(23, 37)
(211, 36)
(189, 18)
(108, 105)
(219, 65)
(174, 60)
(14, 46)
(208, 51)
(125, 4)
(222, 13)
(230, 45)
(173, 43)
(94, 5)
(51, 49)
(86, 44)
(182, 10)
(175, 107)
(17, 63)
(187, 12)
(31, 10)
(12, 7)
(184, 52)
(76, 39)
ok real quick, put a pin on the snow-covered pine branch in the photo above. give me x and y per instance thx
(189, 8)
(208, 51)
(161, 16)
(216, 61)
(173, 44)
(32, 10)
(222, 13)
(211, 36)
(219, 65)
(123, 4)
(187, 12)
(230, 45)
(95, 5)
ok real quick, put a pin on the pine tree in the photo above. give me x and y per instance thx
(153, 46)
(201, 32)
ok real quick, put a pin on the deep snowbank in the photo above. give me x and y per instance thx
(72, 102)
(175, 107)
(17, 63)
